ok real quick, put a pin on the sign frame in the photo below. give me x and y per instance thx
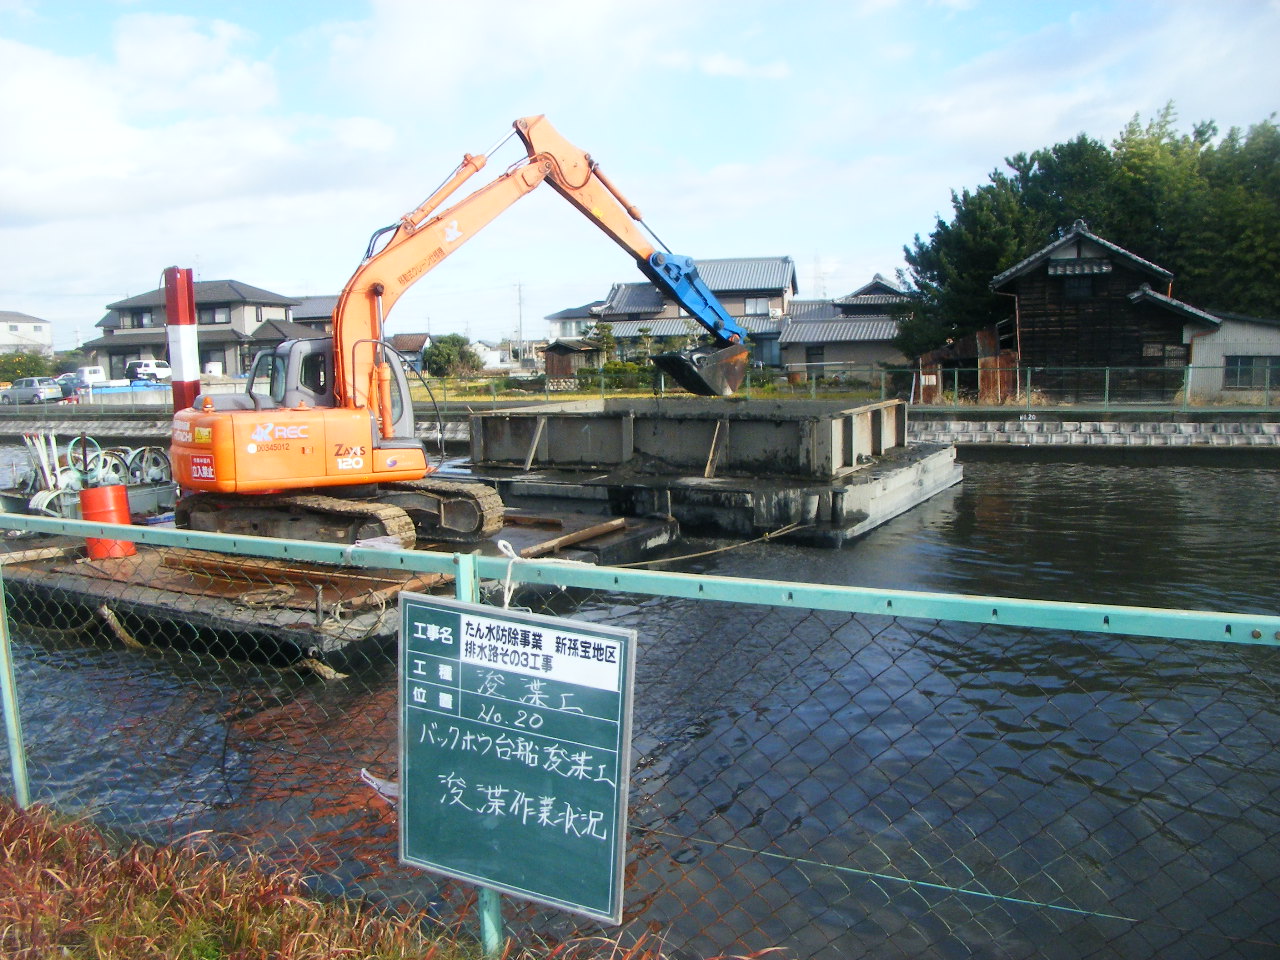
(524, 796)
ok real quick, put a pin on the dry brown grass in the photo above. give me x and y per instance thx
(66, 891)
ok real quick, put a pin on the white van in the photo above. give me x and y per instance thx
(147, 370)
(90, 376)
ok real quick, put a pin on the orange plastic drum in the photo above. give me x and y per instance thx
(106, 505)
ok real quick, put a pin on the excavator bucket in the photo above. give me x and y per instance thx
(707, 371)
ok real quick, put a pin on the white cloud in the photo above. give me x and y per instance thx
(723, 65)
(166, 63)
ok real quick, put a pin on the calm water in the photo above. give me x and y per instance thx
(951, 754)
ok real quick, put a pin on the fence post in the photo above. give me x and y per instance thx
(1106, 388)
(1186, 386)
(883, 383)
(1027, 392)
(12, 717)
(466, 585)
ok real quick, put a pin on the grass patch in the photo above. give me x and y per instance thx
(68, 892)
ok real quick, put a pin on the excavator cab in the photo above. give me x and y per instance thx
(300, 372)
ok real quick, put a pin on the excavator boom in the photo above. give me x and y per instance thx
(424, 238)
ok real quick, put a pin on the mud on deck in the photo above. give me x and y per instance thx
(265, 610)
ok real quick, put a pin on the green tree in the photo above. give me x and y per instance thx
(16, 365)
(949, 275)
(1210, 213)
(451, 356)
(69, 360)
(602, 333)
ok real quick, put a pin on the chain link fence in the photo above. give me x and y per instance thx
(833, 771)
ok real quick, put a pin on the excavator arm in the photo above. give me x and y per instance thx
(424, 237)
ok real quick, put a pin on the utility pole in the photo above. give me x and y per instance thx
(520, 322)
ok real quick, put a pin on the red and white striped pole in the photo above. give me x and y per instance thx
(184, 349)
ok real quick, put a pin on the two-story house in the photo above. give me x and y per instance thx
(234, 320)
(858, 328)
(1085, 309)
(21, 333)
(755, 290)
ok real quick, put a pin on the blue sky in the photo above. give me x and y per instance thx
(265, 141)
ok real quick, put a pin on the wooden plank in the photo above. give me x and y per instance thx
(719, 440)
(533, 445)
(41, 553)
(577, 536)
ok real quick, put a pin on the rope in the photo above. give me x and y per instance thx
(508, 584)
(781, 531)
(946, 888)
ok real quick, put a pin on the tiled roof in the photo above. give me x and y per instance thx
(576, 313)
(315, 308)
(877, 290)
(1078, 230)
(12, 316)
(630, 298)
(741, 274)
(1145, 294)
(409, 342)
(574, 345)
(840, 331)
(210, 291)
(681, 326)
(809, 310)
(279, 330)
(737, 275)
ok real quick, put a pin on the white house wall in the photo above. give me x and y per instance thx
(1234, 338)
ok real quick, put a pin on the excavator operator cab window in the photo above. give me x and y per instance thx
(313, 373)
(267, 376)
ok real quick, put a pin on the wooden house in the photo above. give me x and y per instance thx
(1089, 313)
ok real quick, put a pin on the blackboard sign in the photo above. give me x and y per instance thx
(515, 744)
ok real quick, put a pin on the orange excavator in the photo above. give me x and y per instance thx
(322, 446)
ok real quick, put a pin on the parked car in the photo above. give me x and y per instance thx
(68, 382)
(147, 370)
(32, 390)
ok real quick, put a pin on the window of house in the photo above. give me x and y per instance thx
(1250, 373)
(814, 353)
(1077, 288)
(755, 307)
(13, 328)
(208, 315)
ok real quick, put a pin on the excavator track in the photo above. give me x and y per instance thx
(460, 511)
(312, 517)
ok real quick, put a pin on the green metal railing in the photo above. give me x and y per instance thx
(839, 771)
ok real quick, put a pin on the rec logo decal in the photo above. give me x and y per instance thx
(266, 432)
